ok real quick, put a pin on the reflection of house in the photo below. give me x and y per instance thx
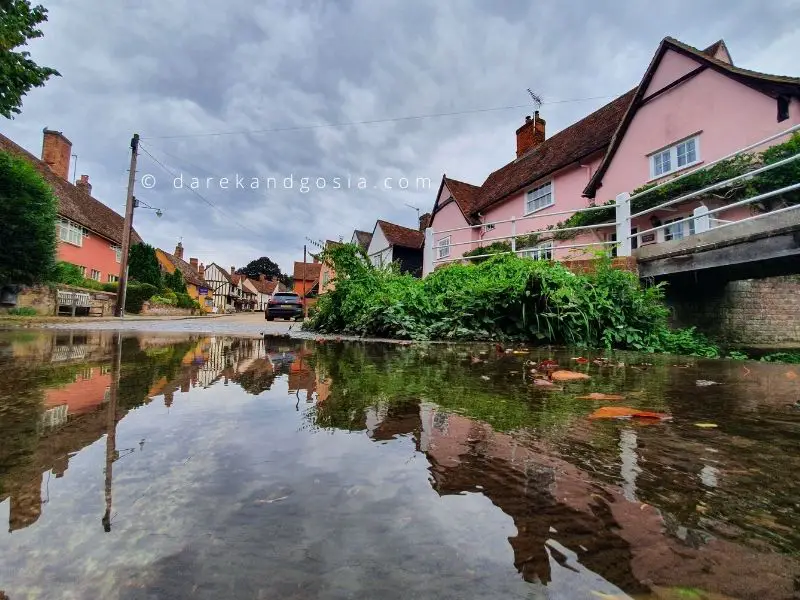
(85, 394)
(89, 232)
(193, 274)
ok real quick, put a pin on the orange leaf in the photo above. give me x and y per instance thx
(599, 396)
(791, 375)
(567, 376)
(581, 360)
(624, 412)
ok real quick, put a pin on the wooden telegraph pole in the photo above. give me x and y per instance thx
(122, 288)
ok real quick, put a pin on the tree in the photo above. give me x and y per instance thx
(18, 73)
(175, 282)
(264, 266)
(28, 214)
(143, 265)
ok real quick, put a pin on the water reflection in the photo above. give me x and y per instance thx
(597, 507)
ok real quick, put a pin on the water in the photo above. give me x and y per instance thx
(181, 466)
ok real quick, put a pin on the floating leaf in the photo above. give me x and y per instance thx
(543, 382)
(567, 376)
(599, 396)
(706, 425)
(581, 360)
(705, 382)
(625, 412)
(548, 364)
(791, 375)
(485, 377)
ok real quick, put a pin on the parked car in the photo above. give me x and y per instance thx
(287, 305)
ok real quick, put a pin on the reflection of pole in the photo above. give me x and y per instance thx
(304, 281)
(111, 429)
(629, 460)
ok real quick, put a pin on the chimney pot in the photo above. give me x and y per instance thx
(201, 271)
(56, 152)
(84, 185)
(193, 263)
(233, 269)
(179, 250)
(530, 135)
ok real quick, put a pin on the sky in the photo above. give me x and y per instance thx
(270, 91)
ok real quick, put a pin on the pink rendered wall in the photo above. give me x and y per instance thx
(96, 253)
(451, 217)
(568, 185)
(672, 66)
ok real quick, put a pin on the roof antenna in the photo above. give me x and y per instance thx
(537, 101)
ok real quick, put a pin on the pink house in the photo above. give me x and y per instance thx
(691, 107)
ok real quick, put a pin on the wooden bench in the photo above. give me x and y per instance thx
(71, 302)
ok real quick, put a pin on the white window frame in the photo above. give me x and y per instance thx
(118, 252)
(541, 251)
(531, 197)
(70, 232)
(97, 273)
(688, 228)
(113, 278)
(672, 152)
(443, 248)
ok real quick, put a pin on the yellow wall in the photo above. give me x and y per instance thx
(191, 288)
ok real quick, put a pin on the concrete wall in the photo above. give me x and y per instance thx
(749, 312)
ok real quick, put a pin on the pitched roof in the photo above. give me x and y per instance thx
(464, 194)
(312, 271)
(188, 272)
(223, 272)
(266, 286)
(771, 85)
(589, 135)
(74, 203)
(397, 235)
(364, 238)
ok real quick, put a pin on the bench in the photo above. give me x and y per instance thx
(70, 302)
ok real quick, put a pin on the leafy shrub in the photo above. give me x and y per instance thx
(163, 300)
(28, 215)
(174, 281)
(66, 273)
(22, 311)
(505, 297)
(186, 301)
(786, 357)
(137, 294)
(143, 265)
(111, 287)
(493, 248)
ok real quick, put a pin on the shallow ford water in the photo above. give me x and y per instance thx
(209, 467)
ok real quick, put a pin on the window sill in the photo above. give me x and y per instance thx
(535, 210)
(674, 172)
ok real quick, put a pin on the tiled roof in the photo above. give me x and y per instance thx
(397, 235)
(268, 287)
(771, 85)
(590, 134)
(74, 203)
(312, 271)
(364, 238)
(465, 194)
(188, 272)
(223, 272)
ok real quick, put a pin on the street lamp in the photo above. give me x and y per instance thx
(142, 204)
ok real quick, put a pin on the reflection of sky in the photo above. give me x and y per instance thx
(230, 490)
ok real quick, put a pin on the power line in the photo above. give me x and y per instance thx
(367, 122)
(196, 193)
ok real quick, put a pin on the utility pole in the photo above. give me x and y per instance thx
(305, 314)
(122, 288)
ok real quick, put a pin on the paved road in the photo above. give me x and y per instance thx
(236, 324)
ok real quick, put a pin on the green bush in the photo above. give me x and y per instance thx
(66, 273)
(174, 281)
(186, 301)
(163, 300)
(137, 294)
(28, 214)
(111, 287)
(143, 265)
(22, 311)
(504, 298)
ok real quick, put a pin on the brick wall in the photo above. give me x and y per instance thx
(749, 312)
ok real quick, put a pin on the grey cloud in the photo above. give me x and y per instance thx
(190, 67)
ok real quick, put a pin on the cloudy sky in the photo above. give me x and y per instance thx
(261, 89)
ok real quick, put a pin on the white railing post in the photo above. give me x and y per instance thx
(624, 224)
(702, 222)
(427, 253)
(514, 234)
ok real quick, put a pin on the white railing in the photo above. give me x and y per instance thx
(702, 216)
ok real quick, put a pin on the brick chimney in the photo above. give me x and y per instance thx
(201, 271)
(531, 134)
(84, 185)
(179, 251)
(233, 269)
(193, 263)
(56, 152)
(424, 221)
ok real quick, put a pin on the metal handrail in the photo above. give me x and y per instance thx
(522, 250)
(529, 216)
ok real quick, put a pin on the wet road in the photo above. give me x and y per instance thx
(173, 465)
